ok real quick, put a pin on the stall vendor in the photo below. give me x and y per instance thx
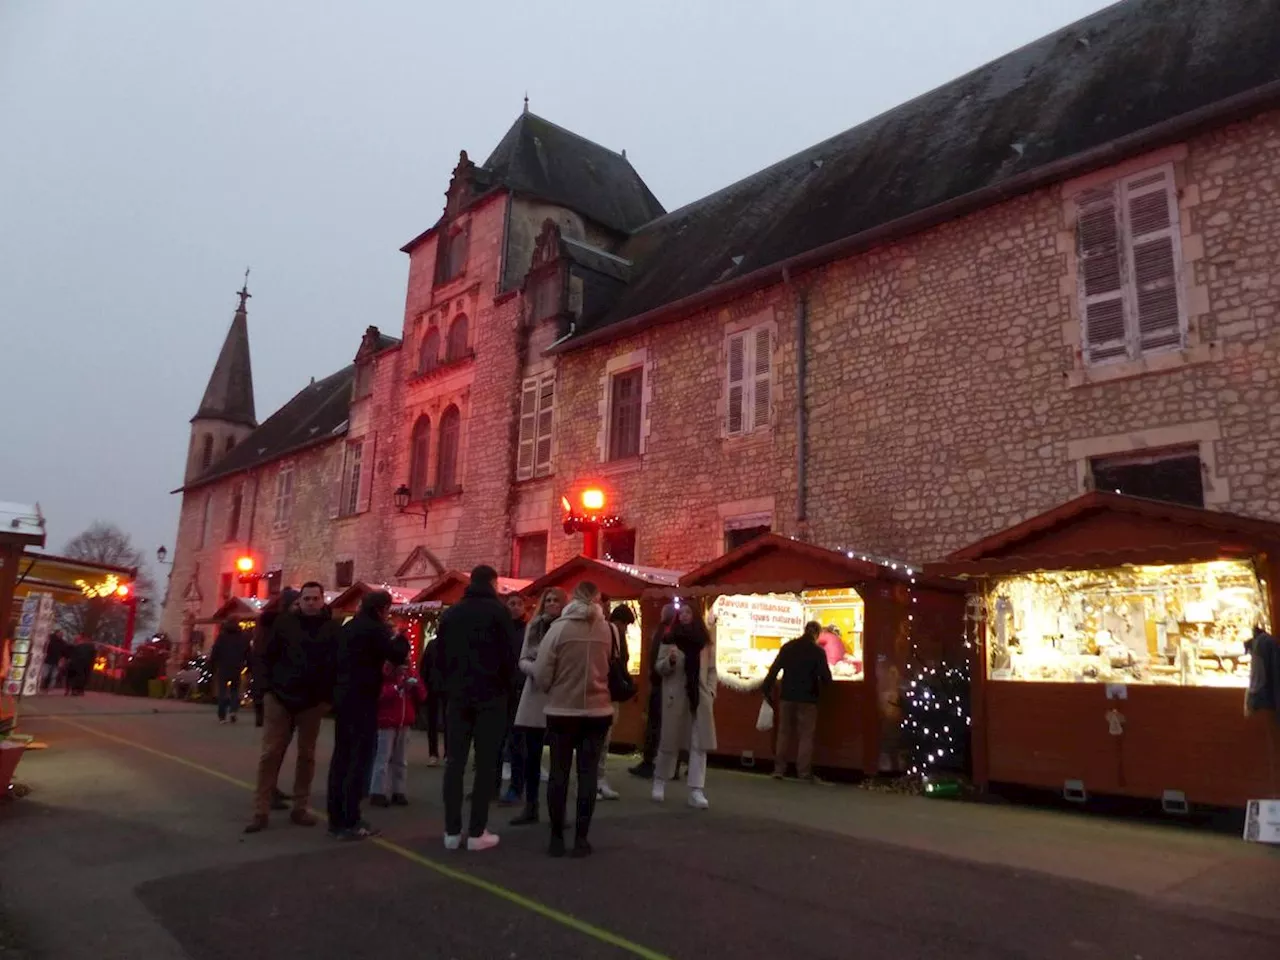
(829, 640)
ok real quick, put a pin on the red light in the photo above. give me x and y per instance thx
(593, 499)
(245, 564)
(122, 591)
(568, 507)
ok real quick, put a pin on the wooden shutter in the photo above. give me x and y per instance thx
(1153, 259)
(367, 461)
(339, 481)
(762, 376)
(546, 417)
(528, 428)
(737, 384)
(1101, 269)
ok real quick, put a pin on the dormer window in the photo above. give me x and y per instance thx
(452, 259)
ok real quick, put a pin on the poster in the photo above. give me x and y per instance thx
(1262, 823)
(37, 634)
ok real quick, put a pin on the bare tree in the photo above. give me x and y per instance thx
(103, 619)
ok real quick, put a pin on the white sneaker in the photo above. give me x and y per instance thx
(546, 777)
(452, 841)
(486, 841)
(698, 800)
(506, 771)
(659, 791)
(606, 792)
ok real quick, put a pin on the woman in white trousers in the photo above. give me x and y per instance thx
(687, 664)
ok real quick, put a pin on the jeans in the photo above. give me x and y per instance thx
(517, 756)
(436, 710)
(797, 722)
(278, 730)
(355, 741)
(531, 743)
(484, 722)
(604, 747)
(228, 697)
(390, 768)
(567, 736)
(653, 723)
(510, 753)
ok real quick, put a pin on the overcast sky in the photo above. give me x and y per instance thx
(150, 150)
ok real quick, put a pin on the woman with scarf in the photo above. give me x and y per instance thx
(531, 720)
(687, 664)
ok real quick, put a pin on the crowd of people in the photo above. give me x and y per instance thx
(501, 691)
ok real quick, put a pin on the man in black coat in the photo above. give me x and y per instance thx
(366, 645)
(805, 674)
(227, 659)
(475, 659)
(297, 674)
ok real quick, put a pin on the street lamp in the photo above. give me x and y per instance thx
(401, 498)
(162, 556)
(589, 520)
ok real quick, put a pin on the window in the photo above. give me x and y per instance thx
(624, 413)
(531, 555)
(204, 520)
(364, 381)
(447, 453)
(456, 348)
(206, 452)
(1128, 244)
(344, 574)
(233, 521)
(735, 537)
(231, 442)
(453, 254)
(750, 380)
(547, 294)
(275, 579)
(224, 588)
(429, 351)
(353, 479)
(419, 453)
(284, 495)
(618, 545)
(537, 403)
(1174, 476)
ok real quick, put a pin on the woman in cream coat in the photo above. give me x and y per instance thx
(686, 726)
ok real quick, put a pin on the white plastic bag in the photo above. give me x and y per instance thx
(765, 720)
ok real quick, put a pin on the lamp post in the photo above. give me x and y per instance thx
(589, 520)
(162, 556)
(248, 574)
(402, 497)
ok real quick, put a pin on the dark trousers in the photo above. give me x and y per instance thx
(653, 724)
(484, 723)
(436, 708)
(567, 736)
(530, 740)
(355, 742)
(228, 696)
(511, 752)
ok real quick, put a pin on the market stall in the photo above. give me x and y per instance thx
(628, 585)
(418, 615)
(1112, 659)
(881, 619)
(347, 603)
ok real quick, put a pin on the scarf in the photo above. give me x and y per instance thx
(690, 639)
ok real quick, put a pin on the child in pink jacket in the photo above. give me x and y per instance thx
(402, 691)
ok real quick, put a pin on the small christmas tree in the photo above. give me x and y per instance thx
(935, 726)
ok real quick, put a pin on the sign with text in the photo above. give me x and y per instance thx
(764, 615)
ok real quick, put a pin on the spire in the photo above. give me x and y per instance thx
(229, 395)
(526, 101)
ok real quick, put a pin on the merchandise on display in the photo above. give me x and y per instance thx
(1177, 624)
(749, 630)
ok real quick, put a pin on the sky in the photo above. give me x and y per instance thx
(150, 151)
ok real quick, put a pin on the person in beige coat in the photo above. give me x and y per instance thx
(572, 666)
(531, 719)
(687, 664)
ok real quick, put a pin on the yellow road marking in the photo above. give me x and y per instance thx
(461, 876)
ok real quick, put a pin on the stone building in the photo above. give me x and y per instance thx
(1056, 272)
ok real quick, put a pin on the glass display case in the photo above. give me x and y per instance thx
(749, 630)
(1177, 624)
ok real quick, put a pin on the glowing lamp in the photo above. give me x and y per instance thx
(122, 591)
(568, 507)
(593, 499)
(245, 564)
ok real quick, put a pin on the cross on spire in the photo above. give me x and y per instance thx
(526, 101)
(243, 293)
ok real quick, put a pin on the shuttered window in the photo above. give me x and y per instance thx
(1127, 238)
(354, 479)
(447, 455)
(749, 380)
(284, 496)
(419, 455)
(537, 403)
(625, 408)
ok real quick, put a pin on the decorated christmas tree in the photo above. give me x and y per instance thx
(935, 726)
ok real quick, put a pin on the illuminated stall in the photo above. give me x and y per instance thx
(620, 584)
(419, 614)
(1113, 654)
(347, 603)
(880, 618)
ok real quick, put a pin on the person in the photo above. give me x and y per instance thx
(530, 721)
(429, 672)
(287, 599)
(365, 645)
(475, 658)
(227, 660)
(402, 692)
(620, 618)
(80, 665)
(653, 714)
(806, 671)
(298, 661)
(572, 666)
(55, 650)
(832, 644)
(512, 759)
(686, 662)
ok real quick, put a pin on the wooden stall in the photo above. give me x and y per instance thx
(887, 616)
(347, 603)
(1111, 652)
(418, 615)
(619, 583)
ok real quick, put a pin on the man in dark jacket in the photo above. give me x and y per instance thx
(512, 754)
(227, 659)
(365, 646)
(805, 674)
(475, 657)
(297, 672)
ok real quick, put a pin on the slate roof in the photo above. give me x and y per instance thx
(543, 160)
(1123, 70)
(229, 393)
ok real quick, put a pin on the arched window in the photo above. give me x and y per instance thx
(447, 456)
(457, 347)
(419, 450)
(206, 455)
(429, 351)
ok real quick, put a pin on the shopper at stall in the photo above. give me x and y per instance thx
(686, 663)
(80, 665)
(804, 666)
(572, 666)
(530, 721)
(365, 646)
(620, 617)
(55, 650)
(653, 713)
(512, 768)
(475, 656)
(227, 660)
(297, 669)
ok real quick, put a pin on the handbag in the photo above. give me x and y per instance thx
(764, 721)
(621, 686)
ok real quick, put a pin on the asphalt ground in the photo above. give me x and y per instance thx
(130, 846)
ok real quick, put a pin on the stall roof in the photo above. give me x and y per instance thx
(1099, 530)
(64, 575)
(241, 608)
(22, 522)
(355, 593)
(620, 581)
(449, 586)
